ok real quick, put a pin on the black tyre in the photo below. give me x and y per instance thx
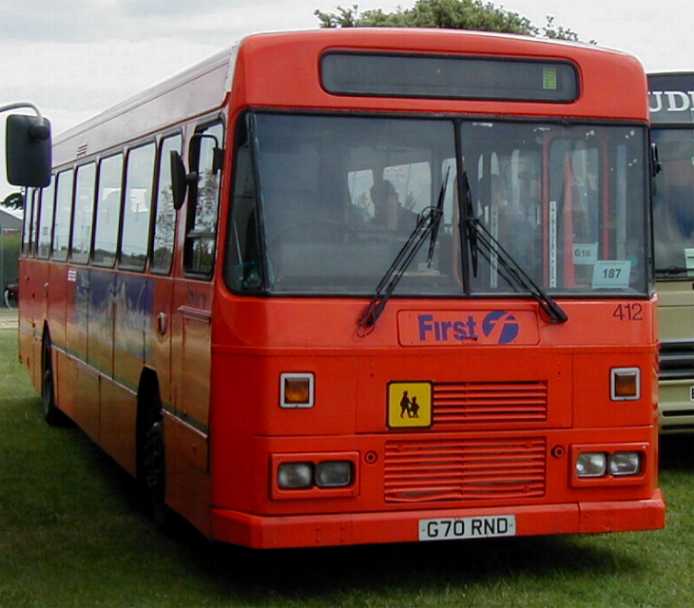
(51, 414)
(154, 471)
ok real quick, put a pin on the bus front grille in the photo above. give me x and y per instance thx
(464, 403)
(677, 360)
(464, 469)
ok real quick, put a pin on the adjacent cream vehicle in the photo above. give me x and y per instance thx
(672, 116)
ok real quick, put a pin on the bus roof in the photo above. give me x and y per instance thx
(689, 73)
(192, 92)
(281, 70)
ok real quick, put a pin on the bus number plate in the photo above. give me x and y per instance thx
(490, 526)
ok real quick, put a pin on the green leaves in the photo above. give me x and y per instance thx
(13, 201)
(448, 14)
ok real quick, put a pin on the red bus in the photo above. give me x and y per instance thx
(361, 286)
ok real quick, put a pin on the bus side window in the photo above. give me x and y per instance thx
(165, 214)
(359, 185)
(137, 207)
(26, 225)
(203, 203)
(108, 210)
(36, 200)
(63, 213)
(412, 182)
(84, 211)
(46, 219)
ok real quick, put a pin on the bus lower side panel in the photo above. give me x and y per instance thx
(107, 412)
(187, 472)
(370, 528)
(30, 345)
(104, 410)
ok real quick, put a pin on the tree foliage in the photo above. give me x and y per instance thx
(450, 14)
(13, 201)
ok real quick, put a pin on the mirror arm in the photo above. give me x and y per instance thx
(38, 132)
(20, 105)
(218, 159)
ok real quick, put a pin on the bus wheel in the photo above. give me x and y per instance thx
(51, 414)
(154, 471)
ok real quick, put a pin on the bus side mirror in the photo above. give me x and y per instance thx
(28, 151)
(180, 179)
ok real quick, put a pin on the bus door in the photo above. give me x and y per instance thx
(160, 283)
(192, 340)
(44, 269)
(38, 286)
(26, 303)
(81, 381)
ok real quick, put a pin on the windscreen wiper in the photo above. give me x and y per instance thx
(437, 220)
(470, 232)
(426, 222)
(481, 240)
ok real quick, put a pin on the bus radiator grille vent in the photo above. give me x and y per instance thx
(464, 469)
(461, 404)
(677, 360)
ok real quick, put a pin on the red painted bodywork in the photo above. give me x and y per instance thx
(218, 356)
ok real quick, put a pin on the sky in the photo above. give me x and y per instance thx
(75, 58)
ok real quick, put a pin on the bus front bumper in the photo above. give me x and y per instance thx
(275, 532)
(676, 406)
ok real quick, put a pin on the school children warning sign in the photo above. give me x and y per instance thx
(409, 404)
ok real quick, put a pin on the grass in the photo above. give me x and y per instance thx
(74, 533)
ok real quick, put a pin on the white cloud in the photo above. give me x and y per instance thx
(149, 8)
(74, 58)
(657, 33)
(92, 76)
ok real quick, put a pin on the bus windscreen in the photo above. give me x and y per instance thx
(340, 195)
(672, 203)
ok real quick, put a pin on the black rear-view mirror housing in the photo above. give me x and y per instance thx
(28, 151)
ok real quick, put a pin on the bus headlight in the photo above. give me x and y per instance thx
(335, 474)
(625, 463)
(591, 464)
(295, 475)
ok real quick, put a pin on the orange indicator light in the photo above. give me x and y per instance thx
(297, 390)
(625, 384)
